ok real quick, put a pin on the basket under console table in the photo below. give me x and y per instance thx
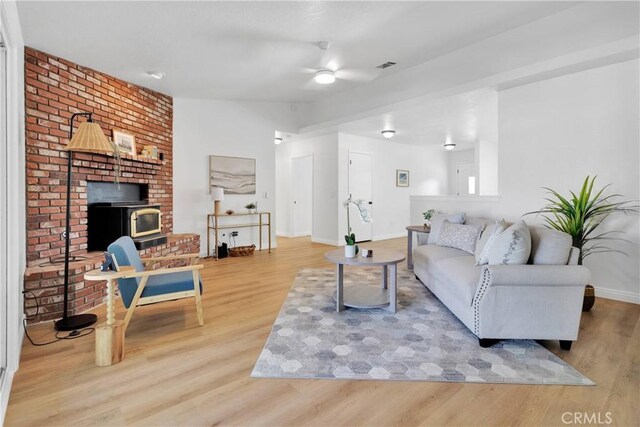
(213, 224)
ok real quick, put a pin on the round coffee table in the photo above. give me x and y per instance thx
(365, 296)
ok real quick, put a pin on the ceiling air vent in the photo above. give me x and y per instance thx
(386, 65)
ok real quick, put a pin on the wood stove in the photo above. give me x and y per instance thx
(110, 220)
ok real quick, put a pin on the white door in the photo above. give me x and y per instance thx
(302, 195)
(3, 211)
(360, 187)
(467, 184)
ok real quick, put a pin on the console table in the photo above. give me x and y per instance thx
(410, 230)
(213, 223)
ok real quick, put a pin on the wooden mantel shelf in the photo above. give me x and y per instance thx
(125, 157)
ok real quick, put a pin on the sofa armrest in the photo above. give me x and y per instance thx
(537, 275)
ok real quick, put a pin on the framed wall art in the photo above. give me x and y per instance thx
(125, 142)
(237, 175)
(402, 178)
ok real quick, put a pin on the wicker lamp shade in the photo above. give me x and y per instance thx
(89, 138)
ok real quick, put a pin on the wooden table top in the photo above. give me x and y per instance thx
(380, 257)
(418, 228)
(109, 274)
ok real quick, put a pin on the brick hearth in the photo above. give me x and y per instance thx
(55, 89)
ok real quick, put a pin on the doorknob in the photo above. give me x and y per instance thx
(370, 202)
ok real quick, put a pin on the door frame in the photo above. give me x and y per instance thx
(292, 210)
(349, 152)
(475, 168)
(4, 202)
(15, 193)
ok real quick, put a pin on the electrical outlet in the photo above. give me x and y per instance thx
(234, 234)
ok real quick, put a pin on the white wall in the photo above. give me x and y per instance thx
(324, 150)
(555, 132)
(16, 257)
(227, 128)
(390, 213)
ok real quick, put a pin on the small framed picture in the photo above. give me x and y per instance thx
(125, 142)
(402, 178)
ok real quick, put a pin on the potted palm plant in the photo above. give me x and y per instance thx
(580, 215)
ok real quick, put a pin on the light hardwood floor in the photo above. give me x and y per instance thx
(175, 372)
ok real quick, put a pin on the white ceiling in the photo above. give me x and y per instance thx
(262, 50)
(459, 116)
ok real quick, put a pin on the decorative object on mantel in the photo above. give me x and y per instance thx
(88, 139)
(579, 215)
(351, 249)
(402, 178)
(229, 211)
(217, 195)
(427, 218)
(252, 207)
(150, 152)
(125, 142)
(235, 174)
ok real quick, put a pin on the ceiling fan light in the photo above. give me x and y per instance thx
(277, 140)
(388, 133)
(449, 144)
(155, 74)
(325, 77)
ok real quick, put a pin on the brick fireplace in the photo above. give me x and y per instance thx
(55, 89)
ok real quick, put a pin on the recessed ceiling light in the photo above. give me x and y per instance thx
(388, 133)
(277, 140)
(448, 144)
(155, 74)
(325, 77)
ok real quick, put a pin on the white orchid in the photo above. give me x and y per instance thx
(350, 238)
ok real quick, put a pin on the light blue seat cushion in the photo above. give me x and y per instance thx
(126, 254)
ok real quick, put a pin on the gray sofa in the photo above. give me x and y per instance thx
(539, 300)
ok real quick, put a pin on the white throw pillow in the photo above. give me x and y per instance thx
(436, 224)
(512, 246)
(459, 236)
(483, 247)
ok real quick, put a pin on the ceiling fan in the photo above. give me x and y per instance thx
(328, 71)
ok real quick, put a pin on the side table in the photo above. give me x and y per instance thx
(410, 230)
(110, 334)
(363, 296)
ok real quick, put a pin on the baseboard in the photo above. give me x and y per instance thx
(283, 234)
(324, 241)
(390, 236)
(306, 234)
(617, 295)
(5, 391)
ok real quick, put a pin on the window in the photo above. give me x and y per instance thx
(472, 185)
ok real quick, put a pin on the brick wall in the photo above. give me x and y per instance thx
(57, 88)
(46, 283)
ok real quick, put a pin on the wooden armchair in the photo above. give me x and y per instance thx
(139, 286)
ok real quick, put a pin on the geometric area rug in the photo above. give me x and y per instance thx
(423, 341)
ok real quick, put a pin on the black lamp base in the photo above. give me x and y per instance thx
(79, 321)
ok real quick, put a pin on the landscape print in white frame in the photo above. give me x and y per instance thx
(236, 175)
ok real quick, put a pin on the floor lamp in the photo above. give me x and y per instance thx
(88, 139)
